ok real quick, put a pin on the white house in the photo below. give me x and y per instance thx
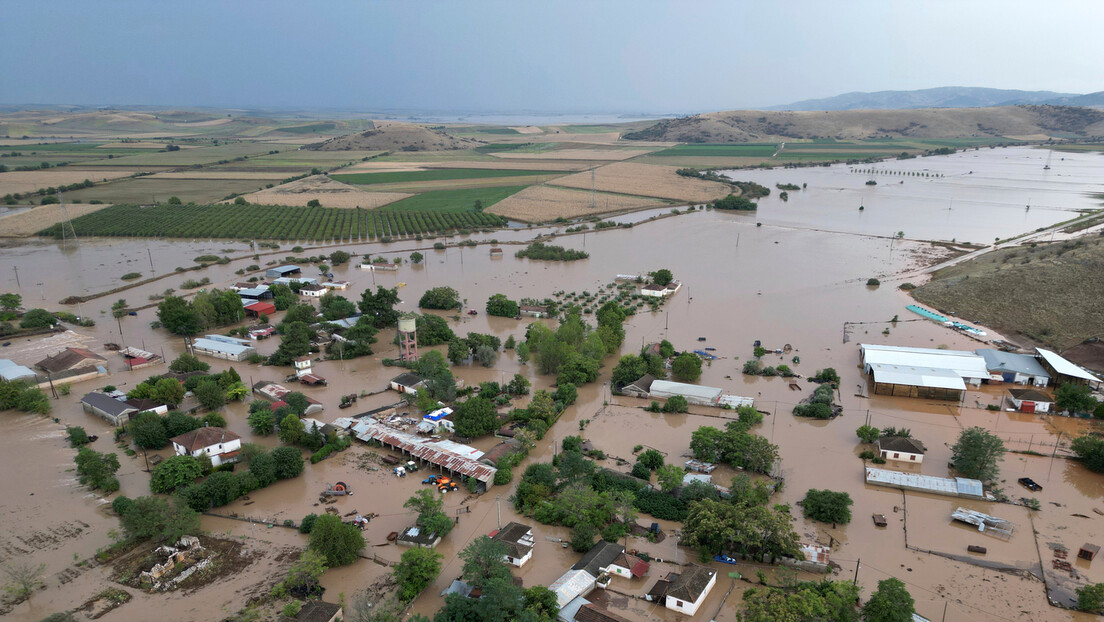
(219, 444)
(314, 290)
(1031, 401)
(628, 566)
(659, 291)
(519, 542)
(901, 449)
(407, 383)
(688, 589)
(338, 285)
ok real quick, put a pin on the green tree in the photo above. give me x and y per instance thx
(651, 458)
(159, 519)
(10, 302)
(686, 367)
(662, 277)
(148, 431)
(169, 392)
(1076, 398)
(338, 542)
(289, 462)
(582, 536)
(518, 385)
(486, 356)
(475, 417)
(629, 369)
(827, 506)
(261, 422)
(978, 454)
(37, 318)
(868, 434)
(483, 561)
(523, 353)
(415, 571)
(380, 306)
(666, 350)
(891, 602)
(97, 470)
(339, 257)
(670, 477)
(298, 402)
(175, 472)
(294, 344)
(304, 573)
(1091, 598)
(1090, 449)
(210, 395)
(501, 306)
(416, 257)
(23, 579)
(187, 363)
(263, 467)
(443, 297)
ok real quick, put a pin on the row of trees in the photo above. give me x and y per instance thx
(736, 445)
(207, 309)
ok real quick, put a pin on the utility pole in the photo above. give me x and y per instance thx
(17, 284)
(498, 503)
(857, 562)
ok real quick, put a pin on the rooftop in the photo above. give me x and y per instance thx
(107, 404)
(67, 358)
(448, 455)
(317, 611)
(220, 346)
(204, 437)
(1064, 367)
(638, 567)
(1000, 361)
(517, 538)
(285, 269)
(407, 379)
(595, 613)
(571, 584)
(958, 486)
(930, 377)
(901, 443)
(599, 556)
(688, 390)
(691, 583)
(965, 364)
(1030, 395)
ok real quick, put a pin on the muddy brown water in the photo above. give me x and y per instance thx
(778, 284)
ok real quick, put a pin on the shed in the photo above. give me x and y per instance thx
(70, 358)
(640, 387)
(407, 383)
(572, 584)
(1015, 368)
(256, 293)
(416, 536)
(113, 411)
(313, 290)
(966, 365)
(1065, 371)
(258, 309)
(282, 271)
(1088, 551)
(694, 393)
(901, 449)
(533, 310)
(922, 382)
(222, 350)
(11, 372)
(591, 612)
(1030, 400)
(318, 611)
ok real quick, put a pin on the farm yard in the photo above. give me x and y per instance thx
(545, 203)
(270, 222)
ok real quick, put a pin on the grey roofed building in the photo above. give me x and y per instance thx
(599, 556)
(318, 611)
(1024, 366)
(70, 358)
(280, 271)
(517, 538)
(690, 583)
(108, 408)
(10, 371)
(639, 387)
(901, 444)
(1030, 395)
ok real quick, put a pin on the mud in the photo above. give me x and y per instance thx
(787, 282)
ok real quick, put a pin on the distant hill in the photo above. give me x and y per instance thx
(395, 136)
(941, 97)
(737, 126)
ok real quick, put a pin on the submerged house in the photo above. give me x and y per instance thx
(901, 449)
(1014, 368)
(109, 409)
(688, 589)
(519, 542)
(220, 444)
(1031, 400)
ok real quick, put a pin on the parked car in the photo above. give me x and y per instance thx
(1030, 484)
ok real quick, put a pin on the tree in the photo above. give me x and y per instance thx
(175, 472)
(298, 402)
(1091, 597)
(415, 571)
(339, 257)
(97, 470)
(338, 542)
(501, 306)
(334, 307)
(475, 417)
(210, 395)
(868, 434)
(158, 519)
(221, 488)
(37, 318)
(148, 431)
(582, 536)
(1090, 449)
(891, 602)
(443, 297)
(483, 561)
(187, 363)
(416, 257)
(666, 349)
(519, 385)
(10, 302)
(289, 462)
(629, 369)
(261, 421)
(23, 579)
(651, 458)
(263, 467)
(686, 367)
(676, 404)
(486, 355)
(380, 306)
(662, 277)
(978, 454)
(1076, 398)
(670, 477)
(827, 506)
(291, 429)
(303, 575)
(294, 343)
(169, 392)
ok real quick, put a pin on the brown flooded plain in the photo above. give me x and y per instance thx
(786, 282)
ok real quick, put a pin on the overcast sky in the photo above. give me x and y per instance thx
(637, 56)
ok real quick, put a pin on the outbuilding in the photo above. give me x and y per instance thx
(1015, 368)
(313, 290)
(1031, 400)
(694, 393)
(537, 311)
(969, 367)
(1064, 371)
(222, 349)
(282, 271)
(104, 406)
(11, 371)
(257, 309)
(901, 449)
(689, 588)
(909, 381)
(70, 359)
(519, 542)
(407, 383)
(641, 387)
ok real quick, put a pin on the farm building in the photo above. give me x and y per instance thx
(901, 449)
(628, 566)
(261, 292)
(337, 285)
(966, 365)
(302, 280)
(379, 267)
(694, 393)
(113, 411)
(925, 382)
(641, 387)
(219, 444)
(689, 588)
(148, 405)
(1064, 371)
(282, 271)
(1031, 401)
(518, 540)
(70, 359)
(138, 359)
(257, 309)
(954, 487)
(416, 536)
(571, 585)
(1014, 368)
(11, 372)
(228, 339)
(407, 383)
(313, 290)
(533, 310)
(275, 393)
(453, 457)
(222, 349)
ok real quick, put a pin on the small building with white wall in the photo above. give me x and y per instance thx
(222, 349)
(689, 588)
(901, 449)
(1031, 400)
(219, 444)
(519, 542)
(694, 393)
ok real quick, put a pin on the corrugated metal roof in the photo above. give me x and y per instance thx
(572, 584)
(452, 456)
(219, 346)
(959, 486)
(666, 387)
(917, 376)
(1064, 367)
(998, 361)
(966, 364)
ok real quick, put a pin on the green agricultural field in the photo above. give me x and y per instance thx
(145, 190)
(366, 179)
(197, 155)
(270, 222)
(308, 159)
(311, 128)
(722, 150)
(516, 147)
(453, 201)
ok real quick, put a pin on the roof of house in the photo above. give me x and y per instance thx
(901, 443)
(313, 287)
(1000, 361)
(691, 583)
(929, 377)
(595, 613)
(204, 437)
(68, 358)
(417, 535)
(964, 364)
(599, 556)
(638, 567)
(143, 404)
(317, 611)
(107, 404)
(517, 538)
(500, 451)
(571, 584)
(1064, 367)
(659, 590)
(643, 383)
(1030, 395)
(252, 291)
(687, 390)
(10, 371)
(407, 379)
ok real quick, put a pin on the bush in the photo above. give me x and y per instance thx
(872, 282)
(307, 523)
(827, 506)
(77, 436)
(503, 476)
(641, 471)
(340, 543)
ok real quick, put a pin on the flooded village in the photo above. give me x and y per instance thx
(817, 283)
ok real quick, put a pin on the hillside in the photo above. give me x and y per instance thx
(394, 136)
(1050, 293)
(739, 126)
(941, 97)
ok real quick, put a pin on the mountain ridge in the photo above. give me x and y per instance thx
(941, 97)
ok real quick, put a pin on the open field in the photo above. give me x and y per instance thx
(148, 190)
(199, 155)
(29, 181)
(365, 179)
(328, 192)
(308, 159)
(453, 200)
(394, 135)
(1043, 293)
(574, 154)
(647, 180)
(270, 222)
(545, 203)
(220, 174)
(30, 222)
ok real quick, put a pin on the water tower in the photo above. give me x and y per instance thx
(408, 337)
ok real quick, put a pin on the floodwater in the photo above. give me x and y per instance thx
(780, 283)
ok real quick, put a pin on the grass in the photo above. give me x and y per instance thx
(308, 129)
(147, 190)
(515, 147)
(366, 179)
(198, 155)
(453, 200)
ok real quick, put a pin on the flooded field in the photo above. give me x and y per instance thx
(799, 280)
